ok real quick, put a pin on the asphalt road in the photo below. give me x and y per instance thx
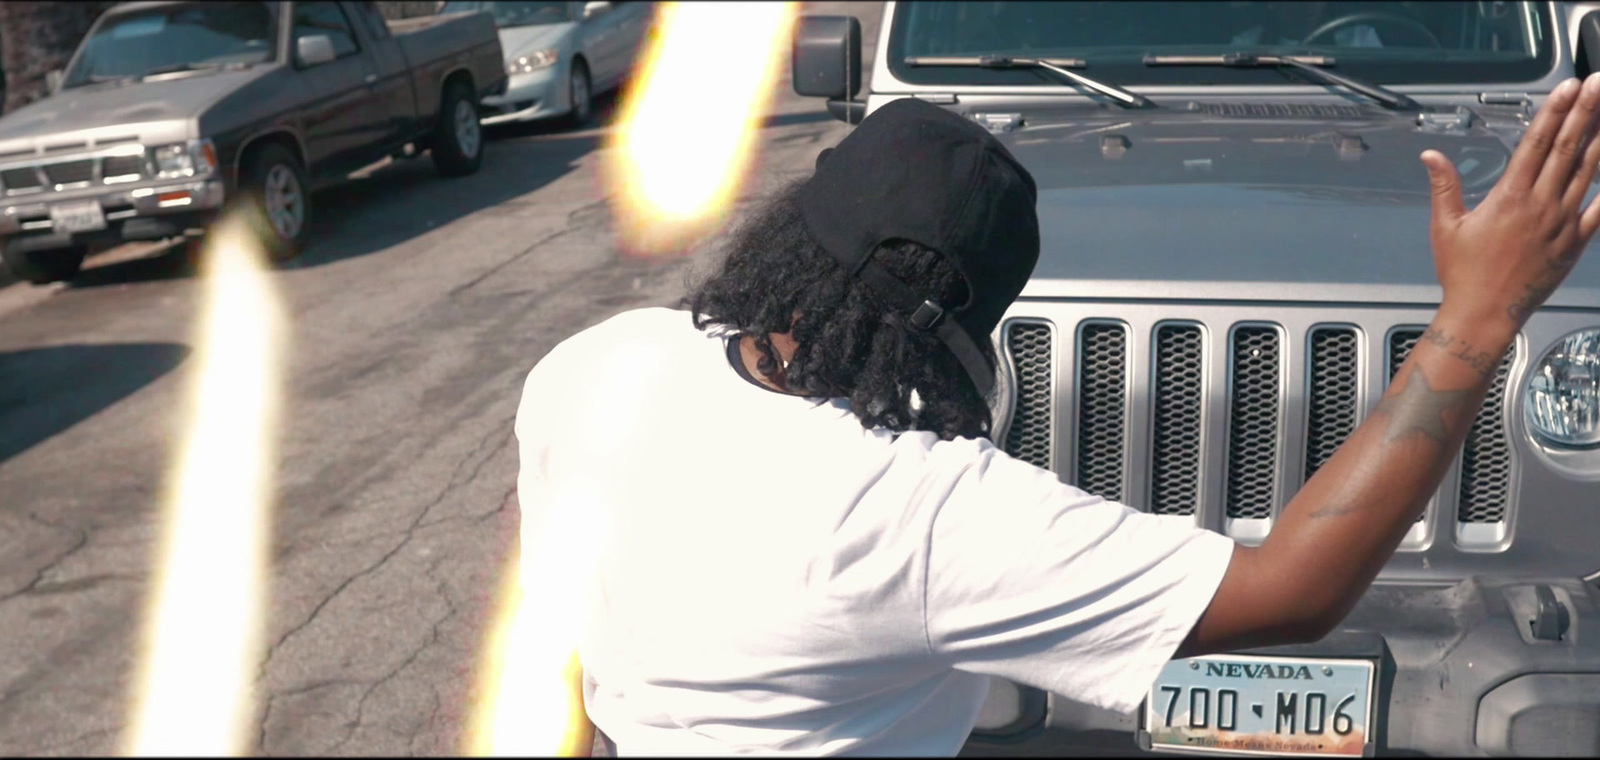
(417, 311)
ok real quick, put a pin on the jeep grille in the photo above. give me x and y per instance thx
(1157, 374)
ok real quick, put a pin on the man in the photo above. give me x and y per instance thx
(801, 539)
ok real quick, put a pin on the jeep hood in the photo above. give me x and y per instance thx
(157, 111)
(1331, 204)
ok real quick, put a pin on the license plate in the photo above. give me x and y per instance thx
(1240, 705)
(78, 217)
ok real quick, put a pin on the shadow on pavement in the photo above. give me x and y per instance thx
(405, 199)
(44, 391)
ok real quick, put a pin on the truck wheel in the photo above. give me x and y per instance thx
(42, 267)
(458, 140)
(275, 192)
(580, 92)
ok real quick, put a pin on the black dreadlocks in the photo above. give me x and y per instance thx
(851, 344)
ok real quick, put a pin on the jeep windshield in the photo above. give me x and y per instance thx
(189, 37)
(1380, 42)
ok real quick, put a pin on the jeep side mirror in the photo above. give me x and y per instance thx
(52, 80)
(595, 8)
(1589, 43)
(826, 63)
(314, 50)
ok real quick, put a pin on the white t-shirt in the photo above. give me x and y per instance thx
(770, 577)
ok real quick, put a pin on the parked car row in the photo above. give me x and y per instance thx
(169, 113)
(561, 55)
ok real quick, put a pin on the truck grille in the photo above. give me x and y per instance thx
(1175, 455)
(105, 169)
(1102, 392)
(1136, 412)
(20, 179)
(70, 172)
(122, 166)
(1028, 439)
(1254, 418)
(1331, 399)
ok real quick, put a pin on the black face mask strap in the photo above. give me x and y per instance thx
(929, 316)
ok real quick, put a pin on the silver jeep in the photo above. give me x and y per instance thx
(1235, 261)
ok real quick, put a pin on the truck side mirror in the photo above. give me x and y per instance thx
(52, 81)
(826, 63)
(314, 50)
(1589, 43)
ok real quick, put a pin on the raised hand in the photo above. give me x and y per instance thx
(1501, 260)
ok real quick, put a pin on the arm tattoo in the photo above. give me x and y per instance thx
(1418, 408)
(1483, 362)
(1536, 292)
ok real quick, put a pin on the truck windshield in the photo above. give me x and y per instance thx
(176, 38)
(516, 14)
(1384, 42)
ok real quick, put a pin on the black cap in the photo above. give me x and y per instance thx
(914, 171)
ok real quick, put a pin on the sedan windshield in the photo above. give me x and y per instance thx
(516, 14)
(1383, 42)
(181, 38)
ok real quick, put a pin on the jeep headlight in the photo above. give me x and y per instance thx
(527, 64)
(1563, 391)
(195, 158)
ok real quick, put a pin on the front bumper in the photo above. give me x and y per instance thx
(529, 97)
(1460, 672)
(148, 211)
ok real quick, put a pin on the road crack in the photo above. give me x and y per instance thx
(39, 577)
(466, 471)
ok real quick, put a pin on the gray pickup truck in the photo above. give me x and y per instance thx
(1235, 261)
(170, 112)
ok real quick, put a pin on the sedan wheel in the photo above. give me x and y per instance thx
(581, 93)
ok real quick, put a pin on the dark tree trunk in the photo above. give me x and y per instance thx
(36, 37)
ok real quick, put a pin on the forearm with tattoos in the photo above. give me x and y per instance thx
(1338, 531)
(1497, 264)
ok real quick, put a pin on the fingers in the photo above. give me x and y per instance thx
(1445, 182)
(1579, 186)
(1566, 152)
(1531, 153)
(1589, 222)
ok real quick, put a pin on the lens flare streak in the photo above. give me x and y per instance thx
(689, 127)
(202, 633)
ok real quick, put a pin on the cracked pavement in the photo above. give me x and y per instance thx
(416, 313)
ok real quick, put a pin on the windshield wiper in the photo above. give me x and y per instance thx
(1057, 66)
(1305, 64)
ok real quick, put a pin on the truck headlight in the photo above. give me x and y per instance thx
(527, 64)
(195, 158)
(1563, 391)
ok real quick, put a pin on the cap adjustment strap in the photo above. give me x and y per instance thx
(927, 315)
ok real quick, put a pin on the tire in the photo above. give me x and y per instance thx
(46, 266)
(580, 93)
(457, 144)
(277, 197)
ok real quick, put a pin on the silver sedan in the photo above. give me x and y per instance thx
(560, 55)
